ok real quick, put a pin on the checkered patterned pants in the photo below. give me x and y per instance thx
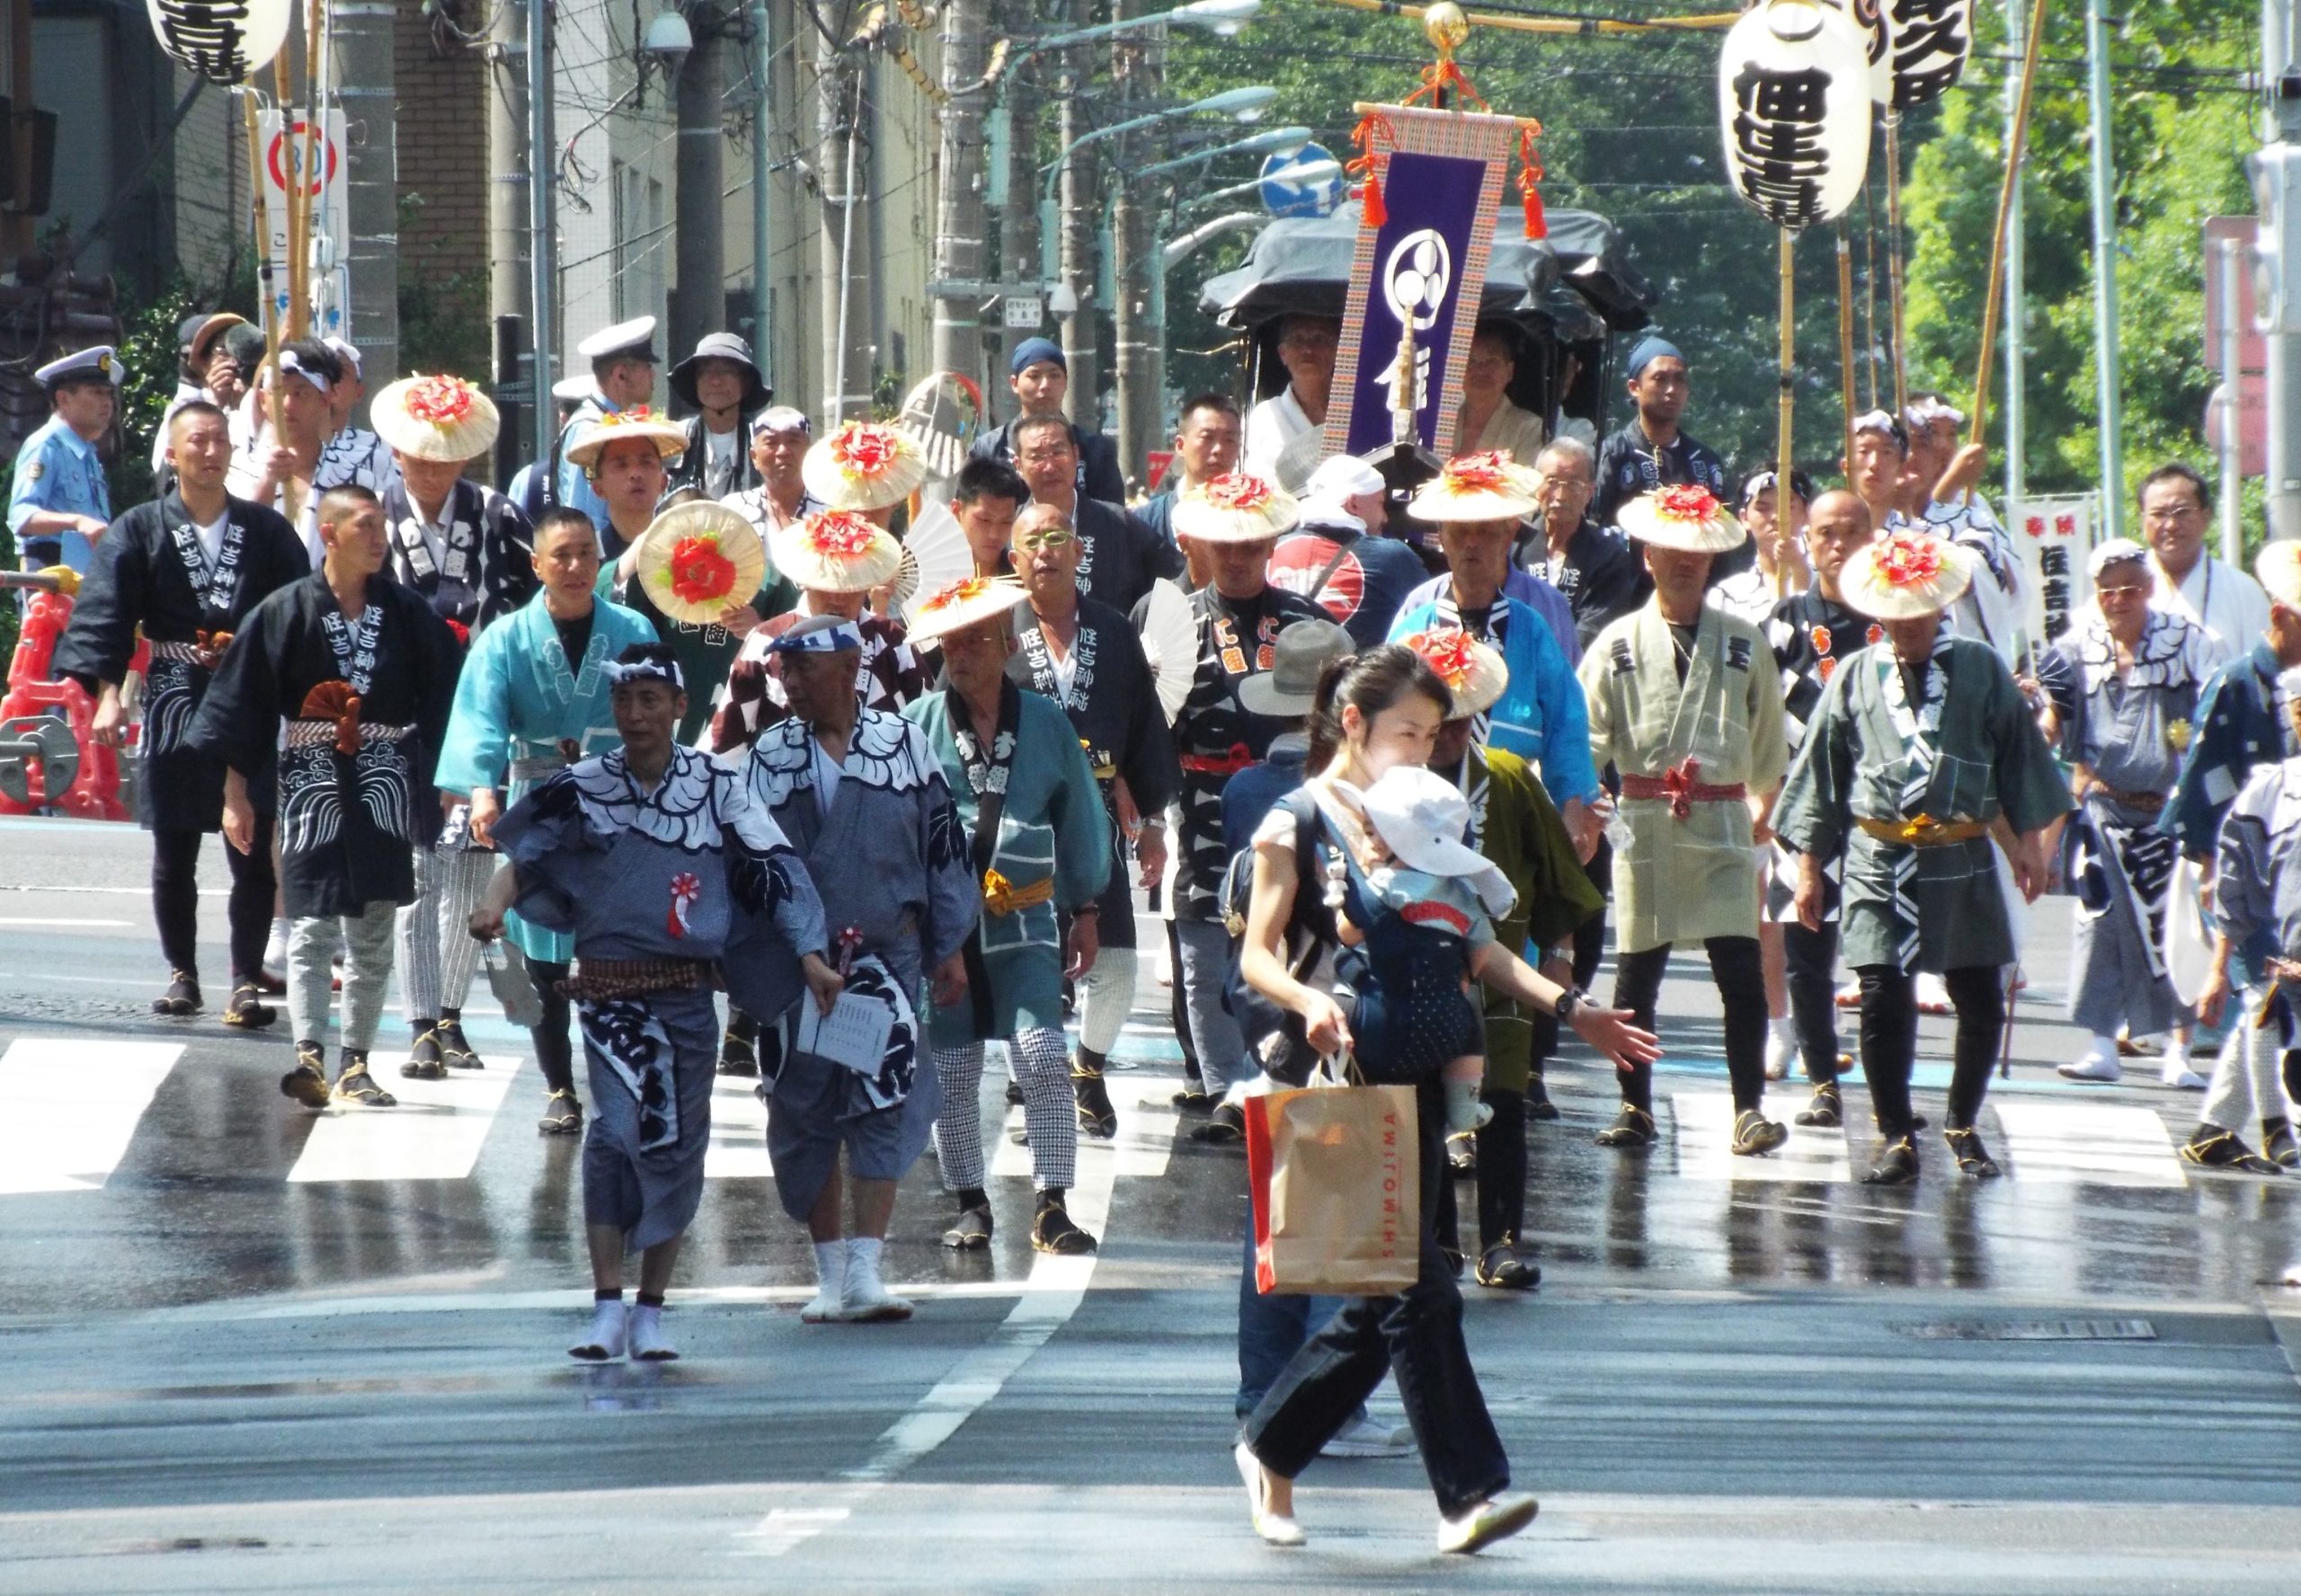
(1042, 1065)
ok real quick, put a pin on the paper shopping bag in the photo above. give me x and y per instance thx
(1335, 1174)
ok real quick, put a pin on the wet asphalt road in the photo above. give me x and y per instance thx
(259, 1350)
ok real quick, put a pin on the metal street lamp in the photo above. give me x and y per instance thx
(1307, 171)
(1280, 141)
(1246, 104)
(1222, 18)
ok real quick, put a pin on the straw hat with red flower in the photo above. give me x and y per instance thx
(967, 602)
(638, 421)
(837, 551)
(1905, 575)
(864, 465)
(698, 558)
(1486, 486)
(1237, 507)
(435, 418)
(1472, 671)
(1681, 517)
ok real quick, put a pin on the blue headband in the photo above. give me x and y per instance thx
(817, 639)
(1031, 352)
(620, 675)
(1651, 349)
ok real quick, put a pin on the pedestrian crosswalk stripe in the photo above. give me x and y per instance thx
(738, 1150)
(2098, 1144)
(1704, 1125)
(69, 1109)
(435, 1133)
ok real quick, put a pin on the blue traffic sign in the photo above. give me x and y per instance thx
(1284, 196)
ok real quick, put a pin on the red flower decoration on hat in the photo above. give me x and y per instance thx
(1450, 652)
(1475, 473)
(1237, 490)
(1683, 502)
(1904, 560)
(441, 400)
(865, 449)
(699, 572)
(840, 534)
(626, 418)
(958, 592)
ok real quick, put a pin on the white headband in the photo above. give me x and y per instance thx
(289, 362)
(1923, 412)
(620, 675)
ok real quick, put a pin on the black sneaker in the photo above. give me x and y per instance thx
(1632, 1128)
(455, 1049)
(308, 1082)
(425, 1062)
(180, 998)
(1052, 1230)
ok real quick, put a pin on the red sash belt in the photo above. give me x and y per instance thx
(1680, 790)
(1226, 764)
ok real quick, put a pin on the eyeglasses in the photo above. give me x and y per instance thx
(1053, 537)
(2179, 511)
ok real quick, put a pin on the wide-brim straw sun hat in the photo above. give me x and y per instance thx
(1486, 486)
(1472, 671)
(616, 425)
(967, 602)
(698, 558)
(1905, 576)
(1681, 517)
(837, 551)
(1237, 507)
(862, 466)
(436, 418)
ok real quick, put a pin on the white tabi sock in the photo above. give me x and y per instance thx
(831, 1283)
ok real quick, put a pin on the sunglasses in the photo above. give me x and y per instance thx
(1053, 537)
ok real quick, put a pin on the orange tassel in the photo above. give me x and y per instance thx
(1530, 174)
(1537, 225)
(1373, 212)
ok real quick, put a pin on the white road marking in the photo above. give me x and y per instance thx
(2096, 1144)
(738, 1150)
(1704, 1124)
(69, 1109)
(1056, 1287)
(435, 1133)
(53, 922)
(1147, 1123)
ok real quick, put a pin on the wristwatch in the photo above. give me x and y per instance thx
(1568, 1001)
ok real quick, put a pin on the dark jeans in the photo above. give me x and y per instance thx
(554, 1053)
(1889, 1041)
(1420, 1336)
(1271, 1329)
(1178, 1004)
(1734, 966)
(175, 899)
(1809, 962)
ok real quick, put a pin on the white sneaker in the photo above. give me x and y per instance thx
(1279, 1532)
(1364, 1438)
(867, 1299)
(2097, 1062)
(829, 1304)
(606, 1339)
(648, 1341)
(275, 952)
(1490, 1521)
(1781, 1049)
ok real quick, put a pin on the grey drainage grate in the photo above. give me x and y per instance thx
(2032, 1330)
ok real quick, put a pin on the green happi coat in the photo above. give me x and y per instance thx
(1875, 749)
(1519, 829)
(1690, 878)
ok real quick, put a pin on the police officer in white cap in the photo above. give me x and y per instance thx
(59, 504)
(623, 374)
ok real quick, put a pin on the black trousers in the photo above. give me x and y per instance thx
(1589, 948)
(175, 899)
(1418, 1336)
(1736, 967)
(1502, 1169)
(1809, 963)
(554, 1052)
(1889, 1041)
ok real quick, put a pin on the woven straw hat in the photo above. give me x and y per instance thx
(1905, 576)
(862, 466)
(1488, 486)
(1680, 516)
(1235, 508)
(435, 418)
(968, 602)
(1471, 669)
(698, 558)
(639, 422)
(837, 551)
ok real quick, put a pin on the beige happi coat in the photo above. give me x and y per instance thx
(1684, 880)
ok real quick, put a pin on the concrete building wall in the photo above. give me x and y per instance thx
(440, 82)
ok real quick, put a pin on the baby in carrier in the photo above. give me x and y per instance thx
(1416, 907)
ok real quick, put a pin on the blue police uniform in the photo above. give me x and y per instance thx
(57, 470)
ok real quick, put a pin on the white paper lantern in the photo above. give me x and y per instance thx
(222, 40)
(1793, 103)
(1877, 34)
(1931, 41)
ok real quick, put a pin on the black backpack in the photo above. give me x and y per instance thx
(1275, 1037)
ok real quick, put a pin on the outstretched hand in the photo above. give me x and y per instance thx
(1614, 1032)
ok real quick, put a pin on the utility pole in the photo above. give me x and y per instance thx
(699, 291)
(543, 240)
(1076, 258)
(361, 32)
(763, 22)
(2282, 77)
(1018, 220)
(845, 245)
(2105, 272)
(1137, 404)
(2010, 413)
(960, 214)
(507, 225)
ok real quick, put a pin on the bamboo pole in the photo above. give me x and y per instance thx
(263, 241)
(2016, 139)
(1894, 258)
(1784, 460)
(1845, 337)
(315, 146)
(283, 94)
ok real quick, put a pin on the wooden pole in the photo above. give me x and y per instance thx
(268, 376)
(314, 148)
(1784, 458)
(283, 96)
(1894, 258)
(1846, 336)
(1588, 25)
(2016, 138)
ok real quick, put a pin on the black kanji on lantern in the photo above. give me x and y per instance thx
(1778, 144)
(207, 36)
(1930, 40)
